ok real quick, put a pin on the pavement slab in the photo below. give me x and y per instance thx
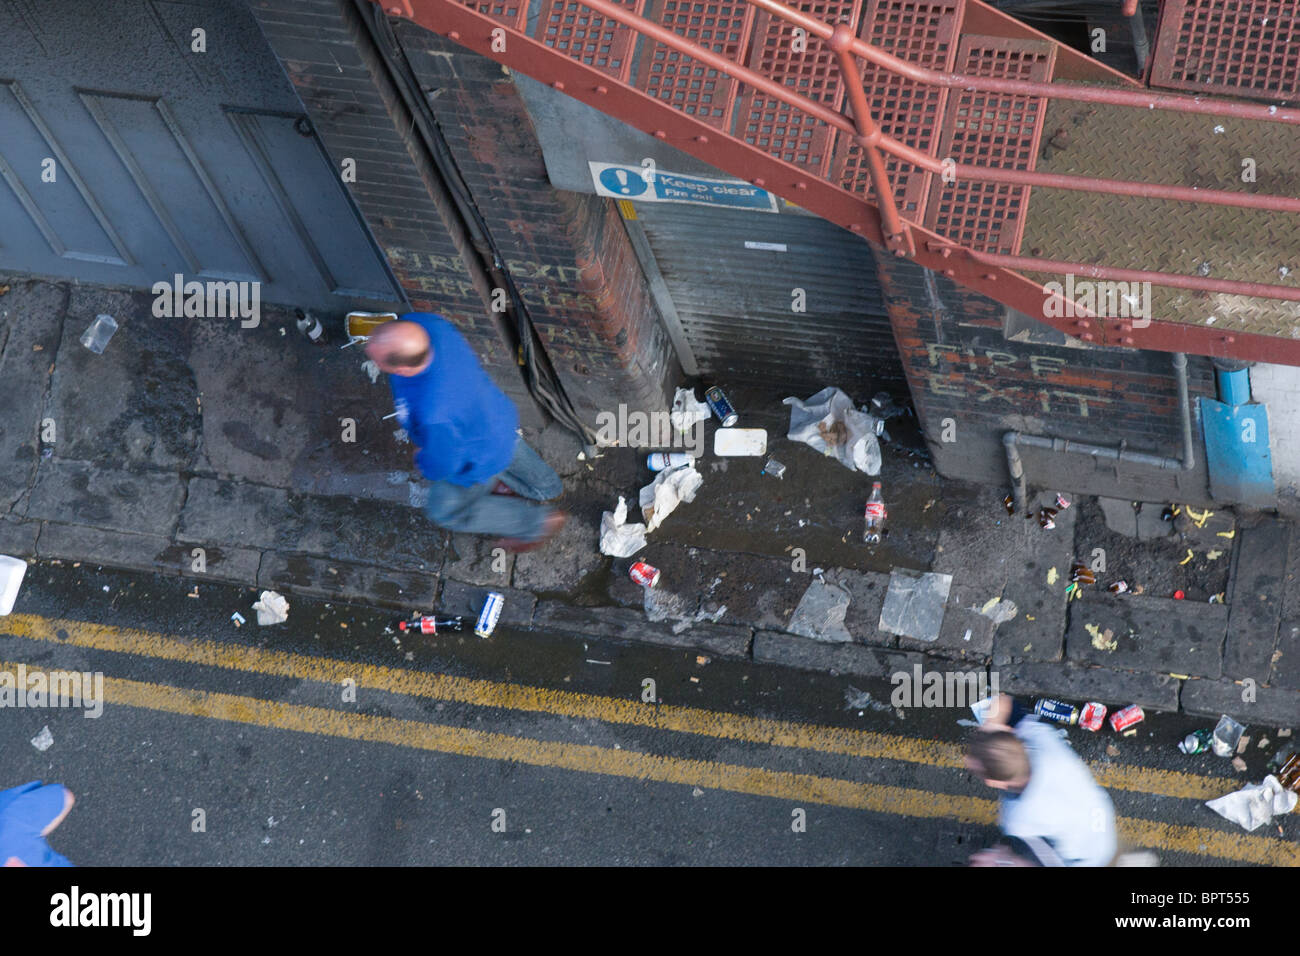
(229, 565)
(466, 600)
(867, 591)
(342, 580)
(1271, 707)
(965, 634)
(136, 405)
(1080, 682)
(1255, 599)
(627, 624)
(1149, 634)
(31, 323)
(789, 650)
(107, 498)
(1285, 670)
(475, 559)
(362, 531)
(18, 537)
(120, 549)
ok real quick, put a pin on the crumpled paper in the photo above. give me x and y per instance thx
(669, 489)
(1253, 806)
(830, 423)
(271, 608)
(617, 537)
(687, 412)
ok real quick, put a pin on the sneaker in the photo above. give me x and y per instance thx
(550, 528)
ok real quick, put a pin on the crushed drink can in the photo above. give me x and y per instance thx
(1119, 587)
(491, 613)
(721, 407)
(1197, 742)
(1093, 716)
(1047, 518)
(1062, 502)
(1057, 711)
(660, 460)
(1122, 720)
(644, 574)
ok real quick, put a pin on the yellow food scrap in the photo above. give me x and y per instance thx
(1214, 555)
(1200, 518)
(1190, 555)
(1227, 534)
(1051, 576)
(1102, 641)
(988, 606)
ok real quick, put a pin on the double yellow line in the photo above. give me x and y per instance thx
(589, 759)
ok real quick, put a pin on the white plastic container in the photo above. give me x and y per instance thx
(11, 579)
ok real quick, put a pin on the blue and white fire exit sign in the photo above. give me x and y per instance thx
(649, 184)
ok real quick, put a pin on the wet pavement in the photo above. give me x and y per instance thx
(548, 736)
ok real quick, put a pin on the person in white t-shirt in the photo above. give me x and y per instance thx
(1051, 812)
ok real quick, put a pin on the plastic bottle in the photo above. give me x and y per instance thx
(875, 515)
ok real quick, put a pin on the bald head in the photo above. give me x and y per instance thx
(400, 348)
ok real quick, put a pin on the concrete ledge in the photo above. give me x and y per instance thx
(626, 624)
(1273, 706)
(227, 565)
(18, 537)
(1154, 691)
(1169, 637)
(339, 580)
(466, 600)
(135, 552)
(773, 647)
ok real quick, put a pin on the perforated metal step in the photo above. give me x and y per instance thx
(990, 129)
(513, 13)
(1247, 47)
(571, 28)
(806, 65)
(922, 32)
(721, 25)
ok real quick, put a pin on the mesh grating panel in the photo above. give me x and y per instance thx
(990, 129)
(922, 32)
(687, 85)
(512, 13)
(774, 126)
(571, 28)
(1251, 47)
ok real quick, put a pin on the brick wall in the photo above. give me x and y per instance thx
(963, 371)
(357, 114)
(567, 252)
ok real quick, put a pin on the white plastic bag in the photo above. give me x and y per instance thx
(617, 537)
(829, 422)
(687, 412)
(669, 489)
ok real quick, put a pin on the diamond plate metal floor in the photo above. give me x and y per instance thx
(1181, 149)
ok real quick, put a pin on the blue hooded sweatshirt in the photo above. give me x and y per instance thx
(462, 425)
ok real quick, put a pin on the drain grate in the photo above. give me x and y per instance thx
(681, 81)
(922, 32)
(806, 65)
(1250, 47)
(990, 129)
(605, 44)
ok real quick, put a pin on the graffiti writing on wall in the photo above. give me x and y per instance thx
(1001, 377)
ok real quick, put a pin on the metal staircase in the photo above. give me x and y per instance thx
(918, 124)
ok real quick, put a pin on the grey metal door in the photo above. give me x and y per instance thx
(737, 280)
(128, 156)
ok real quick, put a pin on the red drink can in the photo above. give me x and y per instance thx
(1122, 720)
(644, 575)
(1093, 715)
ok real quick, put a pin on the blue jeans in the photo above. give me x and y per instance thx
(475, 510)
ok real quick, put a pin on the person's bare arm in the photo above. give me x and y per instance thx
(999, 715)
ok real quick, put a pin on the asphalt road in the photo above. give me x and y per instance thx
(521, 749)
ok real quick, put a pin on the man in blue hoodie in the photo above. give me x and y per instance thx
(465, 432)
